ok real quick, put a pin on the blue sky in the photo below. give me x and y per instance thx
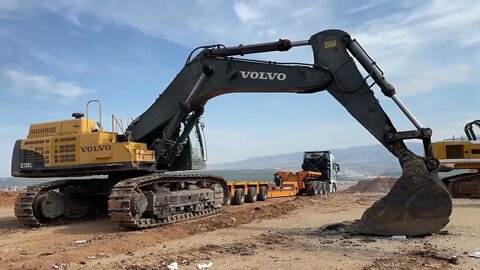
(56, 55)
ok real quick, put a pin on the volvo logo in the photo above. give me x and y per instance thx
(95, 148)
(263, 75)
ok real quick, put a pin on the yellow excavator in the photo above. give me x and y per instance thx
(461, 154)
(136, 186)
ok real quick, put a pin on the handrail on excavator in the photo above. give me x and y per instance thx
(99, 111)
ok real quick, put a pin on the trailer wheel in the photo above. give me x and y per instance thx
(313, 191)
(229, 197)
(262, 194)
(322, 189)
(238, 196)
(318, 189)
(334, 187)
(252, 195)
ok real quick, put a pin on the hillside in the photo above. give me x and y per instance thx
(370, 159)
(362, 160)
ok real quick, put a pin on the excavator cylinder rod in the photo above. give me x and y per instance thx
(370, 66)
(407, 112)
(377, 74)
(280, 45)
(300, 43)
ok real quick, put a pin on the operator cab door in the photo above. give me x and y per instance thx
(197, 147)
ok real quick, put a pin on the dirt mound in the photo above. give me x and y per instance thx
(379, 184)
(7, 199)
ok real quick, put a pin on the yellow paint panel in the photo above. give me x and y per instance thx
(77, 126)
(457, 154)
(74, 143)
(330, 44)
(66, 127)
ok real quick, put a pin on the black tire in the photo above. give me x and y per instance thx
(321, 189)
(318, 189)
(238, 197)
(328, 188)
(313, 191)
(334, 187)
(251, 195)
(262, 194)
(229, 197)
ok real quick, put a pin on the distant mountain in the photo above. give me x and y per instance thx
(370, 159)
(355, 162)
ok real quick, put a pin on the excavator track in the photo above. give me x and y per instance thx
(123, 201)
(466, 185)
(31, 204)
(24, 203)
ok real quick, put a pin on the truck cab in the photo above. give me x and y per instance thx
(324, 163)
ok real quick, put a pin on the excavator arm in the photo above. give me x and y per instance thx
(417, 204)
(469, 130)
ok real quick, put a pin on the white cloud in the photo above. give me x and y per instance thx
(425, 48)
(246, 13)
(426, 80)
(65, 65)
(367, 6)
(403, 41)
(43, 87)
(9, 5)
(199, 22)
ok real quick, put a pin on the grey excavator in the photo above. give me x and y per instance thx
(168, 136)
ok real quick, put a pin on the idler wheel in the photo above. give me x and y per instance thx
(138, 203)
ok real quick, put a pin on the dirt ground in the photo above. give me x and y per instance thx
(7, 199)
(288, 233)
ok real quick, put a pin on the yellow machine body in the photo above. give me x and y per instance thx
(77, 147)
(457, 154)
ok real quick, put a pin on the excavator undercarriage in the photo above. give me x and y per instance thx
(464, 185)
(61, 201)
(137, 203)
(159, 199)
(168, 136)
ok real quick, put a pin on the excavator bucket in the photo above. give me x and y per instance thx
(418, 204)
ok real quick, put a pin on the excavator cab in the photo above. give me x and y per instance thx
(323, 162)
(194, 153)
